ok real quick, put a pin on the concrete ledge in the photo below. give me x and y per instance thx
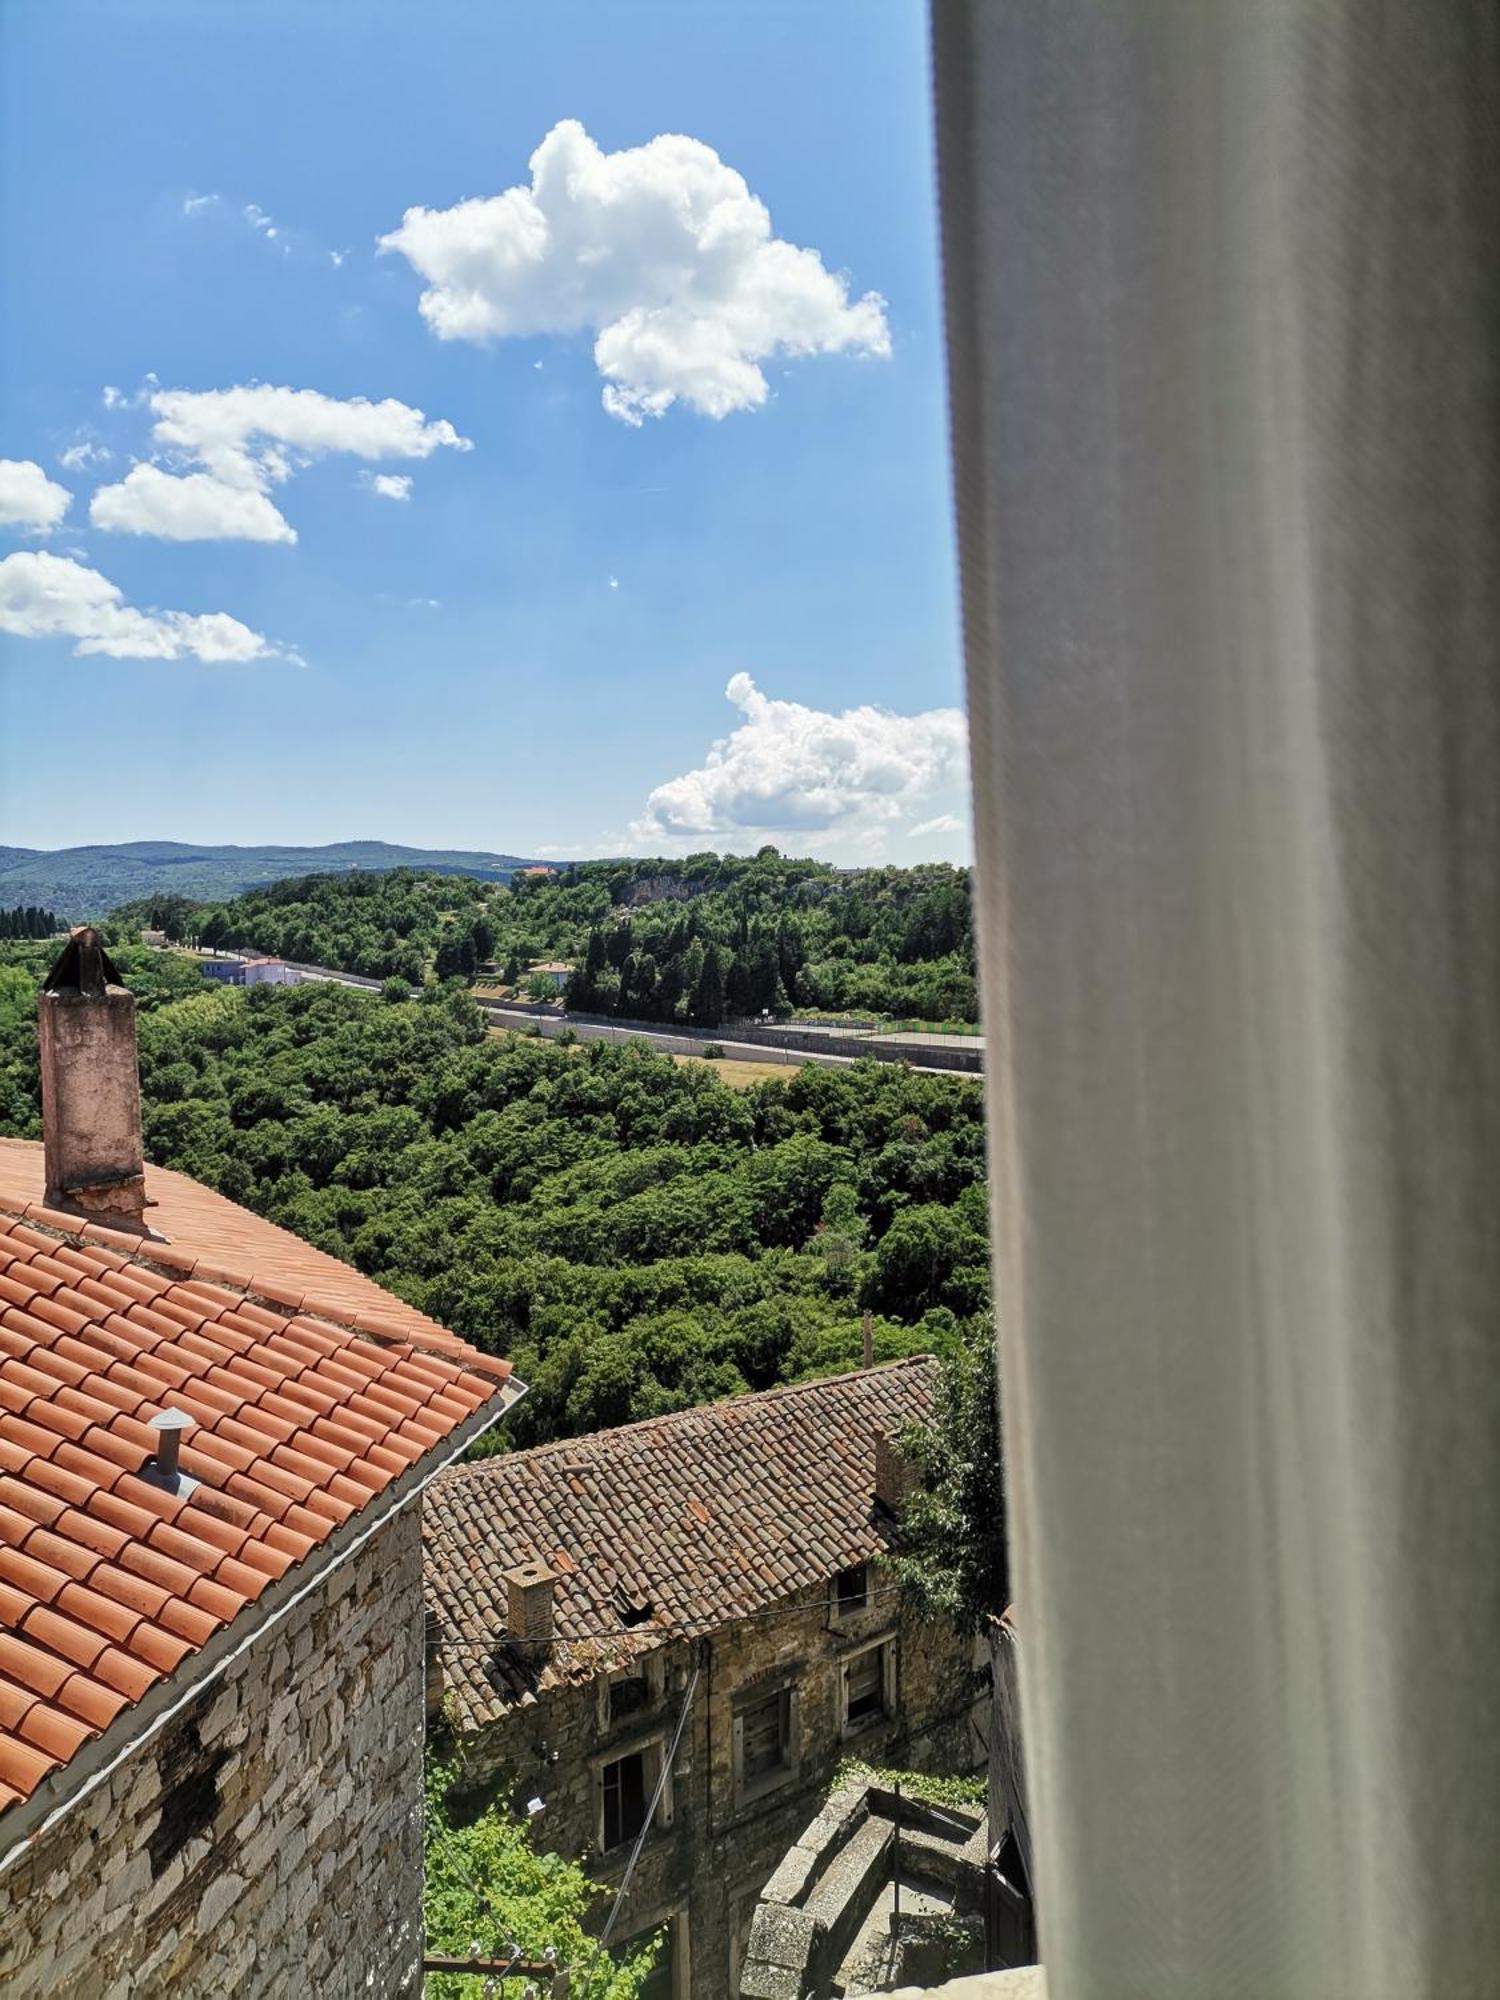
(1027, 1982)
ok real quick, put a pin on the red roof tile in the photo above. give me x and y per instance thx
(313, 1391)
(706, 1515)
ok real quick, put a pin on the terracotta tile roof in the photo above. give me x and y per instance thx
(705, 1516)
(312, 1391)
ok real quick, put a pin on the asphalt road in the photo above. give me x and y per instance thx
(672, 1041)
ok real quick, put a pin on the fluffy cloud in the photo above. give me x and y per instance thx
(391, 485)
(194, 508)
(255, 435)
(661, 251)
(790, 769)
(50, 597)
(246, 440)
(29, 500)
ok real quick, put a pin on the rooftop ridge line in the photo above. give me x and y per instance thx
(598, 1442)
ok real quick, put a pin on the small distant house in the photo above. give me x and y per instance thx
(538, 868)
(708, 1582)
(251, 971)
(157, 938)
(557, 970)
(269, 972)
(213, 1444)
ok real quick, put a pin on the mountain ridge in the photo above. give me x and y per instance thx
(91, 880)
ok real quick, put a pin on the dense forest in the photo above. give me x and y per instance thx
(29, 920)
(637, 1235)
(701, 940)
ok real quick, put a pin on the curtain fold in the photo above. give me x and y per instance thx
(1223, 291)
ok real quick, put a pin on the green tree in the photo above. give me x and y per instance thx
(953, 1553)
(708, 996)
(487, 1889)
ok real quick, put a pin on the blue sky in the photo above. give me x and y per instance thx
(530, 651)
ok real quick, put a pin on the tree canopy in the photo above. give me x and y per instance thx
(700, 940)
(953, 1527)
(487, 1890)
(635, 1234)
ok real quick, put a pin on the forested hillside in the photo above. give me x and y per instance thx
(637, 1235)
(702, 940)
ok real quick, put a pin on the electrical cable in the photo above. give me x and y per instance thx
(640, 1839)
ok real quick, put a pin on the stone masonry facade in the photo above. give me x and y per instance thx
(268, 1840)
(720, 1836)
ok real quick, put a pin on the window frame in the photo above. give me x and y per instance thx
(648, 1667)
(843, 1610)
(785, 1693)
(651, 1750)
(887, 1680)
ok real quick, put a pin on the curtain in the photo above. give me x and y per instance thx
(1223, 292)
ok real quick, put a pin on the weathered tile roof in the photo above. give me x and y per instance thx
(705, 1516)
(312, 1390)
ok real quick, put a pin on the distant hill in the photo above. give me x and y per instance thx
(81, 882)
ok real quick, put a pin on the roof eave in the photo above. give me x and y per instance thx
(130, 1732)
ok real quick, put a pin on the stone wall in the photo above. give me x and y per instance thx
(706, 1869)
(268, 1839)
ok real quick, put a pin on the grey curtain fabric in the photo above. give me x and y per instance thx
(1224, 321)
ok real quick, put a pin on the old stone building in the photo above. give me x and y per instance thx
(212, 1440)
(711, 1579)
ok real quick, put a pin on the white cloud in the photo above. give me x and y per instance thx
(44, 597)
(614, 583)
(390, 485)
(84, 456)
(245, 440)
(789, 769)
(336, 257)
(944, 823)
(194, 508)
(113, 398)
(29, 500)
(255, 435)
(258, 219)
(194, 204)
(661, 251)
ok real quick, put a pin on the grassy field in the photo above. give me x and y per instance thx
(740, 1075)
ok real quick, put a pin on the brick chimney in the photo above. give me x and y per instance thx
(895, 1476)
(528, 1609)
(91, 1093)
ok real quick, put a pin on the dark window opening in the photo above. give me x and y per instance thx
(864, 1687)
(624, 1799)
(660, 1980)
(853, 1588)
(629, 1695)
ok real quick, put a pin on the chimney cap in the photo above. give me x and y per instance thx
(164, 1470)
(83, 966)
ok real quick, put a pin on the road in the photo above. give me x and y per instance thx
(672, 1041)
